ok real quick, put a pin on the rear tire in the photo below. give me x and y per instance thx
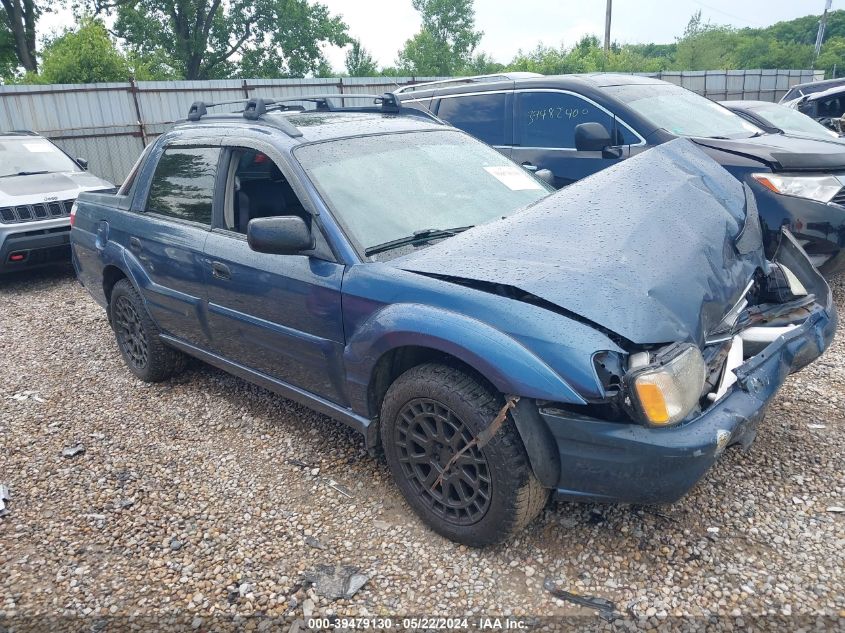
(137, 337)
(429, 413)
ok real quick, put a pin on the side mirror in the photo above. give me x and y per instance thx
(82, 162)
(591, 137)
(284, 235)
(546, 176)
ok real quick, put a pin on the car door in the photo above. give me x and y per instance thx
(544, 134)
(164, 239)
(276, 314)
(485, 115)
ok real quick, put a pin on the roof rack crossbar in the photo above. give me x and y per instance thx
(199, 109)
(387, 101)
(255, 108)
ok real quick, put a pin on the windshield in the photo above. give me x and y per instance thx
(388, 187)
(820, 87)
(683, 112)
(793, 122)
(31, 154)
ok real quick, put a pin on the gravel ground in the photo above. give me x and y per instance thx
(206, 496)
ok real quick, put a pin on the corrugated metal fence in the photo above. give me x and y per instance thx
(722, 85)
(109, 124)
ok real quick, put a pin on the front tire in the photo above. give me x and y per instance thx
(137, 337)
(429, 413)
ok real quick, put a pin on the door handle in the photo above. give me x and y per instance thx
(529, 167)
(134, 243)
(220, 270)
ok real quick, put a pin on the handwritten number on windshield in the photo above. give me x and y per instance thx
(555, 113)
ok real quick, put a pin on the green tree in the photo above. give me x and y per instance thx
(446, 42)
(586, 56)
(483, 64)
(83, 55)
(359, 62)
(19, 17)
(704, 46)
(832, 57)
(208, 39)
(8, 60)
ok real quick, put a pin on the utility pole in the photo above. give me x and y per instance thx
(607, 24)
(820, 35)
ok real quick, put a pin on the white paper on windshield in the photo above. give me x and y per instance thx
(38, 148)
(513, 177)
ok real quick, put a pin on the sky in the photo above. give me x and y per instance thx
(508, 25)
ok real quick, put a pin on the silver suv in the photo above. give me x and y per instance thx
(38, 185)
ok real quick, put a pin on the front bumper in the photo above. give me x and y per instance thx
(629, 463)
(41, 244)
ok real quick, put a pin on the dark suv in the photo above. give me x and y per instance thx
(496, 339)
(576, 125)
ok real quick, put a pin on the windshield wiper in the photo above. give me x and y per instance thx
(25, 173)
(422, 235)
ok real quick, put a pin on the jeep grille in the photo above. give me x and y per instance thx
(35, 212)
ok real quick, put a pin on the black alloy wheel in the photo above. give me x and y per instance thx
(428, 434)
(138, 336)
(130, 332)
(474, 495)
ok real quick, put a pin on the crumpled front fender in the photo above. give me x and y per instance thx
(511, 367)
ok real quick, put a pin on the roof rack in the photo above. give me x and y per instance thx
(467, 80)
(257, 107)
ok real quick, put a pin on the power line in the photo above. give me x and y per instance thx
(730, 15)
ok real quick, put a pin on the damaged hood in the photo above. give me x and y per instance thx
(783, 153)
(656, 249)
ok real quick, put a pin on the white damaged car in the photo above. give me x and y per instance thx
(38, 186)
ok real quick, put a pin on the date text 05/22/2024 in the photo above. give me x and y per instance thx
(418, 623)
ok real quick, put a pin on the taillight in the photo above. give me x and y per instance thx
(72, 213)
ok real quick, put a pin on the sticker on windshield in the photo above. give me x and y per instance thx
(513, 177)
(38, 148)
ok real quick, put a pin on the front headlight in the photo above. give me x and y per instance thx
(669, 388)
(820, 188)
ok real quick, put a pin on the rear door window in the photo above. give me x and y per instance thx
(548, 119)
(483, 115)
(183, 184)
